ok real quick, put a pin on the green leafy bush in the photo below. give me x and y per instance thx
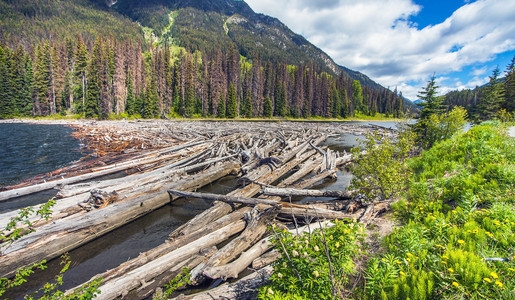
(316, 265)
(382, 171)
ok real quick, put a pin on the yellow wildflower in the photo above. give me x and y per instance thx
(511, 269)
(402, 273)
(487, 280)
(316, 274)
(439, 246)
(461, 242)
(494, 275)
(456, 284)
(451, 270)
(383, 259)
(499, 284)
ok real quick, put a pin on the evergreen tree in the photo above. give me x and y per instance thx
(81, 65)
(5, 103)
(232, 103)
(150, 100)
(493, 97)
(248, 106)
(336, 103)
(92, 105)
(431, 104)
(357, 96)
(129, 102)
(28, 90)
(509, 88)
(43, 78)
(221, 107)
(268, 109)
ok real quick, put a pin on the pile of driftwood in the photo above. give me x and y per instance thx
(274, 162)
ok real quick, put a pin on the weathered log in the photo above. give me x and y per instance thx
(168, 246)
(220, 209)
(315, 213)
(233, 269)
(146, 273)
(245, 288)
(286, 192)
(9, 194)
(63, 235)
(265, 259)
(312, 180)
(222, 198)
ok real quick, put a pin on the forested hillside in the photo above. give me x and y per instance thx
(494, 99)
(199, 58)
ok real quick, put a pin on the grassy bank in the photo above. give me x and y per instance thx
(456, 236)
(458, 223)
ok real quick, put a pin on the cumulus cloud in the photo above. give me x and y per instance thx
(377, 38)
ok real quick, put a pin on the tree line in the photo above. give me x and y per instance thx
(495, 99)
(110, 77)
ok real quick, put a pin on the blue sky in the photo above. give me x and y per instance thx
(402, 43)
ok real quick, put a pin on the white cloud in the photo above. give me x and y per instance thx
(374, 36)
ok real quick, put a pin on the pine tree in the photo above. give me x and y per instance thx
(431, 104)
(357, 96)
(232, 103)
(28, 90)
(268, 109)
(129, 102)
(509, 88)
(5, 103)
(43, 79)
(248, 106)
(493, 97)
(150, 100)
(81, 65)
(92, 105)
(336, 102)
(221, 107)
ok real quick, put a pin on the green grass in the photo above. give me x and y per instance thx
(458, 211)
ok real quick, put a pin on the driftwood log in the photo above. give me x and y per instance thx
(286, 192)
(52, 240)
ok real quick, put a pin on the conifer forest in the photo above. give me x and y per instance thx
(104, 77)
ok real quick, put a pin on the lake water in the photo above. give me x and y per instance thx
(28, 150)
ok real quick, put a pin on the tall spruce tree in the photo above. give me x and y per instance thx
(357, 97)
(81, 66)
(268, 109)
(509, 88)
(430, 103)
(129, 102)
(43, 78)
(5, 102)
(232, 103)
(221, 107)
(92, 105)
(493, 97)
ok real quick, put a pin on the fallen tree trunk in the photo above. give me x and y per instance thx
(263, 173)
(222, 198)
(245, 288)
(286, 192)
(233, 269)
(146, 273)
(52, 240)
